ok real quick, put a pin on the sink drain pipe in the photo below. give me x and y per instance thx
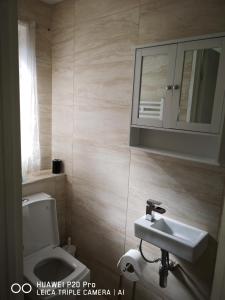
(166, 265)
(163, 270)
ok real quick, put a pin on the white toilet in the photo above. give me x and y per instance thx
(44, 260)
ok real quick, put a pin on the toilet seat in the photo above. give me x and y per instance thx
(80, 270)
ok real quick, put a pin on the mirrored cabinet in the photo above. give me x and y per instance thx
(153, 84)
(178, 98)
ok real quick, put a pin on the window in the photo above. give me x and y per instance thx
(30, 146)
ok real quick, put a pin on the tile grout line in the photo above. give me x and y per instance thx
(139, 20)
(73, 74)
(128, 193)
(111, 15)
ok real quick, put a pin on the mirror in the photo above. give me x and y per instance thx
(153, 82)
(198, 85)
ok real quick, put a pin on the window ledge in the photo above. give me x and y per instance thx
(41, 175)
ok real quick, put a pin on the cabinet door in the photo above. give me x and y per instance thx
(153, 82)
(199, 85)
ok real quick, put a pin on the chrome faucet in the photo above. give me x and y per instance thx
(151, 207)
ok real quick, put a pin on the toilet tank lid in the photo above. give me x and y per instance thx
(37, 196)
(40, 226)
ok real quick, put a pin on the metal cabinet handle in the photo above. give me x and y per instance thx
(176, 87)
(169, 87)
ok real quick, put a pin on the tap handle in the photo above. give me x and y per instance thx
(153, 202)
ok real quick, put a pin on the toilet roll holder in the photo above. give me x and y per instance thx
(166, 266)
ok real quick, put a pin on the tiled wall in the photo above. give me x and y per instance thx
(35, 10)
(108, 183)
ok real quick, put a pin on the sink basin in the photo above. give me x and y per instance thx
(180, 239)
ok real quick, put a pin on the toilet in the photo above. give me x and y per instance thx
(44, 260)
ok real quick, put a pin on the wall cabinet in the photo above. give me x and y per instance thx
(179, 89)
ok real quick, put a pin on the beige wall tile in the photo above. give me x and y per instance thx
(102, 166)
(62, 120)
(44, 83)
(63, 14)
(102, 125)
(107, 39)
(111, 52)
(64, 80)
(164, 20)
(45, 162)
(45, 157)
(104, 58)
(43, 44)
(45, 118)
(100, 206)
(61, 197)
(100, 245)
(62, 63)
(62, 43)
(45, 139)
(111, 82)
(93, 9)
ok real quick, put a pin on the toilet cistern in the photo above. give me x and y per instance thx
(151, 207)
(44, 260)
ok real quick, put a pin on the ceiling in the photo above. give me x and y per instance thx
(51, 1)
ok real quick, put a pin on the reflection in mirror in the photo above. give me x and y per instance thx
(153, 83)
(198, 86)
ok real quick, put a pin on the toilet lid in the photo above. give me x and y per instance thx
(40, 226)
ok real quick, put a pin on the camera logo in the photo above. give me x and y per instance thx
(16, 288)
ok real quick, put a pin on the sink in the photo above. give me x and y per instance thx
(180, 239)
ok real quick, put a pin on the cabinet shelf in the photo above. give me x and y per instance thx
(172, 130)
(177, 155)
(203, 148)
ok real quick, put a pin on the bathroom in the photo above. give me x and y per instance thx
(85, 61)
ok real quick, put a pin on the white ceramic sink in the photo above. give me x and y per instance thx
(175, 237)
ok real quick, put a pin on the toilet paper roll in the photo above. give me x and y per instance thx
(131, 265)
